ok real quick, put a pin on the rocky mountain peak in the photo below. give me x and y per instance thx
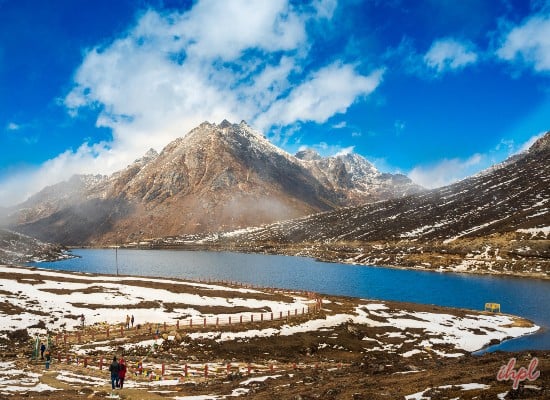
(543, 143)
(308, 155)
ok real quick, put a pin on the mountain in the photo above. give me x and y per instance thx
(498, 220)
(360, 181)
(18, 248)
(215, 178)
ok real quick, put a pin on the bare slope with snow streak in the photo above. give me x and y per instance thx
(18, 248)
(510, 203)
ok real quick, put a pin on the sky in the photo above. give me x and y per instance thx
(434, 89)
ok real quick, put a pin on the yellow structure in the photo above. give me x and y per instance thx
(492, 307)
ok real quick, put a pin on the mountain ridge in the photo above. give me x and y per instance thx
(217, 177)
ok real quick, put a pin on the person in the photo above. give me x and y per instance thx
(127, 321)
(132, 320)
(121, 372)
(48, 358)
(42, 349)
(113, 368)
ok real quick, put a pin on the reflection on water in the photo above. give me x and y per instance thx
(526, 297)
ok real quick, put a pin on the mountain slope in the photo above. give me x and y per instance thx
(217, 177)
(16, 248)
(501, 215)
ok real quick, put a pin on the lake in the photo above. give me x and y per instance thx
(525, 297)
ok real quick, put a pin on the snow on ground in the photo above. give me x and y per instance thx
(545, 230)
(463, 333)
(96, 296)
(17, 380)
(464, 387)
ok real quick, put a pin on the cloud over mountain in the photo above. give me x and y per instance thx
(173, 70)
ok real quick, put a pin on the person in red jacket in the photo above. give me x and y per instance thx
(121, 372)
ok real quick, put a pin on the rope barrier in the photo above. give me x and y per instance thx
(140, 370)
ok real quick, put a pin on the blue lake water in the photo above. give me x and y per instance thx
(525, 297)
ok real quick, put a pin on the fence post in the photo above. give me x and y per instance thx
(204, 323)
(229, 320)
(185, 370)
(228, 368)
(163, 369)
(241, 319)
(249, 369)
(272, 316)
(251, 317)
(206, 370)
(280, 315)
(177, 324)
(107, 330)
(85, 362)
(262, 317)
(100, 363)
(191, 323)
(217, 321)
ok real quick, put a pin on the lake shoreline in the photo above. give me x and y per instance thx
(330, 259)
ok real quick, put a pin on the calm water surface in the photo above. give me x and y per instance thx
(526, 297)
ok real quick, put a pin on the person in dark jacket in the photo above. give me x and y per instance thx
(113, 368)
(42, 349)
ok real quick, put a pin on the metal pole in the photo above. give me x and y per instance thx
(116, 258)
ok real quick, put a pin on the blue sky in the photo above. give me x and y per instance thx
(434, 89)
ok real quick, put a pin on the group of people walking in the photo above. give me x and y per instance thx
(118, 373)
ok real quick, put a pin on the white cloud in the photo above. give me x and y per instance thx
(345, 151)
(449, 54)
(329, 91)
(445, 171)
(528, 43)
(328, 150)
(399, 126)
(325, 8)
(340, 125)
(230, 60)
(448, 171)
(12, 126)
